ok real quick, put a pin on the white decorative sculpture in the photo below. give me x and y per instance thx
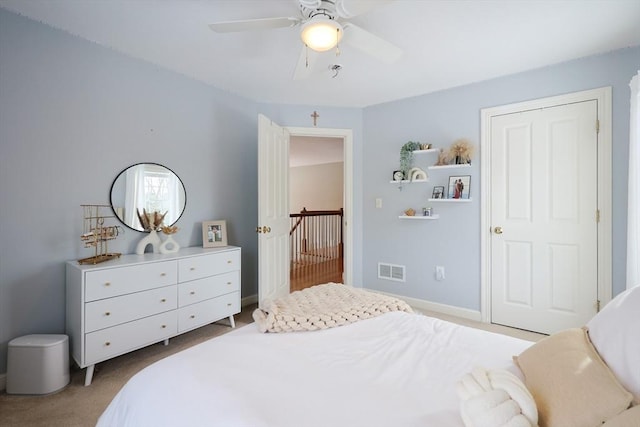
(417, 174)
(151, 239)
(150, 222)
(169, 246)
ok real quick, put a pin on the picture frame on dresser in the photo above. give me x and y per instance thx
(214, 233)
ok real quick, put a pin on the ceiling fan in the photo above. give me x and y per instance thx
(324, 24)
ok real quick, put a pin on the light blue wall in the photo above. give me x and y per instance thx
(453, 241)
(73, 114)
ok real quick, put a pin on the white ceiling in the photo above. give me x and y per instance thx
(446, 43)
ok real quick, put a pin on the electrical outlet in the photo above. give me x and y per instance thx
(439, 272)
(378, 203)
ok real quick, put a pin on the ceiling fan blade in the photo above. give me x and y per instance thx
(254, 24)
(306, 61)
(371, 44)
(350, 8)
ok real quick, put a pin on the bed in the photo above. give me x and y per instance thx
(393, 369)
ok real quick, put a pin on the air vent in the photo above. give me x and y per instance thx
(391, 272)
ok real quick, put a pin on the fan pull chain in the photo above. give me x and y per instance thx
(337, 42)
(306, 56)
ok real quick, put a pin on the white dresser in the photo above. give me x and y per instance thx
(136, 300)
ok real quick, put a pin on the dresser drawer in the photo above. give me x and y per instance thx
(125, 280)
(207, 288)
(111, 342)
(125, 308)
(208, 311)
(199, 267)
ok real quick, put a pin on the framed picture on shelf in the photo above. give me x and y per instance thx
(214, 234)
(459, 187)
(438, 192)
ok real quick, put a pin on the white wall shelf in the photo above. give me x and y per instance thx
(451, 200)
(465, 165)
(407, 181)
(434, 167)
(419, 217)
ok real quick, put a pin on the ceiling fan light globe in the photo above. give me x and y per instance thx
(321, 33)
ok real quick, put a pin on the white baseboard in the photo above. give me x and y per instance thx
(450, 310)
(251, 299)
(3, 382)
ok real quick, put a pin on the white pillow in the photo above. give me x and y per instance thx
(615, 333)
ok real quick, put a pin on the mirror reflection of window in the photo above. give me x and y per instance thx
(153, 188)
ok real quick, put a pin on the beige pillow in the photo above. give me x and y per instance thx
(571, 385)
(628, 418)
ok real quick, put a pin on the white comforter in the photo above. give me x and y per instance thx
(398, 369)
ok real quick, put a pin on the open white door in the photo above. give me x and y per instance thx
(273, 210)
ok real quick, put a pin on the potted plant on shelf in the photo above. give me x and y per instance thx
(406, 156)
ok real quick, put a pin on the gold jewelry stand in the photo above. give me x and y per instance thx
(96, 234)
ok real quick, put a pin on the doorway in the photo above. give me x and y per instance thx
(316, 198)
(344, 137)
(273, 204)
(546, 209)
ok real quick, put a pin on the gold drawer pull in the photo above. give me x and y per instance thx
(229, 262)
(228, 304)
(192, 268)
(163, 274)
(108, 313)
(192, 292)
(107, 284)
(192, 316)
(107, 343)
(163, 300)
(164, 326)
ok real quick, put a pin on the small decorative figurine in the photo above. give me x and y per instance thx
(442, 158)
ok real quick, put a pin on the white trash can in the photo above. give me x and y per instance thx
(38, 364)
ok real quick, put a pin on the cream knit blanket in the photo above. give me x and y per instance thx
(324, 306)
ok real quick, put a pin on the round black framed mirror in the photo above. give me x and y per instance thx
(148, 186)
